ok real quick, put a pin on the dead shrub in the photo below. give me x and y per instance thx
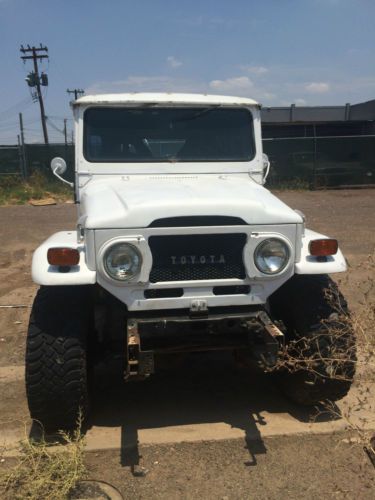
(340, 342)
(44, 472)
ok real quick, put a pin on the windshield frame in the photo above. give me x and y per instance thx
(201, 108)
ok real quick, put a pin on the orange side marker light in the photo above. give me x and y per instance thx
(63, 256)
(324, 247)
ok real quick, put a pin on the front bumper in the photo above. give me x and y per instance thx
(252, 330)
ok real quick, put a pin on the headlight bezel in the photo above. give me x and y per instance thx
(112, 248)
(140, 243)
(261, 245)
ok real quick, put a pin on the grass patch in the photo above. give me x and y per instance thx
(42, 473)
(16, 191)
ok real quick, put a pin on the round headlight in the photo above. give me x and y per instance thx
(122, 261)
(271, 256)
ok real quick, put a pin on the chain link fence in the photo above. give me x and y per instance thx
(322, 161)
(312, 162)
(10, 160)
(35, 158)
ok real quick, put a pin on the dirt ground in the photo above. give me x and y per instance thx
(193, 407)
(293, 467)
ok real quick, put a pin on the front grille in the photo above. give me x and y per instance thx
(231, 290)
(197, 257)
(163, 293)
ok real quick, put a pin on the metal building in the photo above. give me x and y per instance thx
(321, 145)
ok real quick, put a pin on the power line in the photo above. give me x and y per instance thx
(34, 120)
(19, 103)
(15, 108)
(59, 117)
(5, 123)
(32, 129)
(8, 125)
(54, 126)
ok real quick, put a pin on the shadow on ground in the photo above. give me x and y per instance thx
(200, 388)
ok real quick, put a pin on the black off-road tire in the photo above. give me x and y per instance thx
(322, 318)
(57, 356)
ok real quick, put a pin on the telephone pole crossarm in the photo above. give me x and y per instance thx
(77, 92)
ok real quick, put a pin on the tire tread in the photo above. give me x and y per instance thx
(56, 352)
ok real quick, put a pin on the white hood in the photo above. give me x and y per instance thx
(136, 201)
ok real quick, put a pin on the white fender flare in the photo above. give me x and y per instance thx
(44, 274)
(309, 264)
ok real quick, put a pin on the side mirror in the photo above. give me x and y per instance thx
(266, 167)
(58, 167)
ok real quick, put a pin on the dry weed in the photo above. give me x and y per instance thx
(341, 343)
(42, 472)
(359, 412)
(332, 344)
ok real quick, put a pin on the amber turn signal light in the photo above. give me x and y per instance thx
(63, 256)
(322, 248)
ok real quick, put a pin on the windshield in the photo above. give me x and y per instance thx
(168, 134)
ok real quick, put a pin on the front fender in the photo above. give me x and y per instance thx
(44, 274)
(308, 264)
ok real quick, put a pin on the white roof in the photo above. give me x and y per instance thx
(165, 98)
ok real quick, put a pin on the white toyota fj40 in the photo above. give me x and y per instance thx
(178, 248)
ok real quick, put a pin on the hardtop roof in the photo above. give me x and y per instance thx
(165, 98)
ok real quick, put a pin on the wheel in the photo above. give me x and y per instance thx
(56, 356)
(319, 363)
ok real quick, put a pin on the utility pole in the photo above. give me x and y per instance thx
(77, 92)
(65, 133)
(23, 151)
(35, 80)
(20, 156)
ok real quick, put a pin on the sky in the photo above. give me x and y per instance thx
(278, 52)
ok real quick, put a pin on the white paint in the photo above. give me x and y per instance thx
(164, 98)
(262, 286)
(118, 201)
(44, 274)
(309, 264)
(136, 201)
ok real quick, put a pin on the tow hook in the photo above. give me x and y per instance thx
(273, 338)
(140, 364)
